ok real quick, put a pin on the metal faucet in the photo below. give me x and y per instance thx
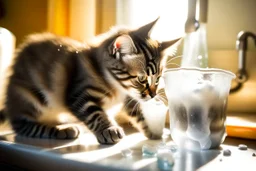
(241, 46)
(192, 24)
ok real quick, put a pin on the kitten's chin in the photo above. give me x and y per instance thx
(138, 97)
(144, 99)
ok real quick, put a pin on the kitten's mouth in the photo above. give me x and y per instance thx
(147, 95)
(143, 96)
(141, 99)
(145, 99)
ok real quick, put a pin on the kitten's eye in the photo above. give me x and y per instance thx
(157, 80)
(142, 79)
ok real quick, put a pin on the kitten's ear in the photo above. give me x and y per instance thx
(123, 44)
(145, 30)
(165, 45)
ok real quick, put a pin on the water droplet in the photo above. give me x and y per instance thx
(174, 148)
(58, 49)
(161, 145)
(227, 152)
(242, 147)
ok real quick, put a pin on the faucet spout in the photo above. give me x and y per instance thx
(192, 24)
(242, 37)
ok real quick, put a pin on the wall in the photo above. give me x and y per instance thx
(106, 15)
(82, 19)
(58, 17)
(24, 16)
(226, 18)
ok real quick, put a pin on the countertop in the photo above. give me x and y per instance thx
(84, 153)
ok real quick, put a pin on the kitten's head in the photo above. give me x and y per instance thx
(136, 61)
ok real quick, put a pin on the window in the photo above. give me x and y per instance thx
(172, 13)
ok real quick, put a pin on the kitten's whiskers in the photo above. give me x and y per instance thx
(173, 64)
(176, 57)
(161, 99)
(127, 104)
(135, 107)
(161, 93)
(169, 62)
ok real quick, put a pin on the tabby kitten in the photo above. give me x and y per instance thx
(57, 80)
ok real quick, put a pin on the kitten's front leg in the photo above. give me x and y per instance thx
(136, 116)
(98, 122)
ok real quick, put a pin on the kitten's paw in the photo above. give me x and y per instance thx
(110, 135)
(67, 133)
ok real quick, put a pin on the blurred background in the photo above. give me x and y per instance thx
(83, 19)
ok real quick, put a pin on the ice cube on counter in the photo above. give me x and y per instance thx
(126, 152)
(165, 160)
(148, 150)
(165, 147)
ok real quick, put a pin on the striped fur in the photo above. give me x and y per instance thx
(57, 80)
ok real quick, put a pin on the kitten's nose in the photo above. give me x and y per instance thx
(151, 92)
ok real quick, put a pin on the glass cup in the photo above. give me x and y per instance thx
(197, 100)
